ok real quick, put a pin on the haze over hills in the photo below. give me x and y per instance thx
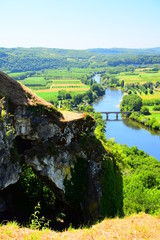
(135, 51)
(90, 51)
(35, 59)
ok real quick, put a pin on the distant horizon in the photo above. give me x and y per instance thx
(141, 48)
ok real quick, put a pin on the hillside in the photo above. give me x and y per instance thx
(37, 59)
(140, 226)
(125, 51)
(17, 93)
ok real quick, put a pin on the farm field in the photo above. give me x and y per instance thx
(39, 83)
(19, 75)
(64, 81)
(155, 114)
(155, 95)
(52, 95)
(139, 76)
(48, 96)
(69, 89)
(61, 84)
(31, 81)
(47, 83)
(72, 73)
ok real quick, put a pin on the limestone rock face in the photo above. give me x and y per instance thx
(9, 170)
(57, 146)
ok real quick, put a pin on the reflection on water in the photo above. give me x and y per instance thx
(131, 124)
(136, 125)
(126, 131)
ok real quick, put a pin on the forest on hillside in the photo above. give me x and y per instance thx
(34, 59)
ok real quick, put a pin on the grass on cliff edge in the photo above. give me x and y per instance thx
(139, 226)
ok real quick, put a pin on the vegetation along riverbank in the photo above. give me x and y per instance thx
(139, 83)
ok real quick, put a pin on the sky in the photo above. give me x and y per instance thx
(80, 24)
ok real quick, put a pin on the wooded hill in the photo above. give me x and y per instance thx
(34, 59)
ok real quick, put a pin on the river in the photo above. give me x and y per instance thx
(125, 131)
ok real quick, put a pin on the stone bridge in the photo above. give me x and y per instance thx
(116, 113)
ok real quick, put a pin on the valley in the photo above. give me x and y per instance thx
(53, 140)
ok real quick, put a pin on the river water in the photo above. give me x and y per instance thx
(125, 131)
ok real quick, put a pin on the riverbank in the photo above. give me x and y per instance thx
(138, 81)
(125, 131)
(140, 112)
(149, 122)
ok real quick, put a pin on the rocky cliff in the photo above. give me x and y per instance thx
(59, 147)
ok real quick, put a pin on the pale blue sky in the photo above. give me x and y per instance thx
(80, 24)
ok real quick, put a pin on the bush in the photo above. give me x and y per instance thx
(151, 102)
(151, 91)
(131, 103)
(156, 108)
(156, 126)
(145, 110)
(152, 123)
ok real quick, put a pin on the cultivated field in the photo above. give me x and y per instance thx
(155, 95)
(139, 76)
(155, 114)
(47, 83)
(34, 81)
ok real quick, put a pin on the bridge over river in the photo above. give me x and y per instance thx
(126, 131)
(117, 113)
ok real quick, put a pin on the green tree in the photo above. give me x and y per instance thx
(131, 103)
(145, 110)
(122, 83)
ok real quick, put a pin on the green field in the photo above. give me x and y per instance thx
(48, 96)
(47, 83)
(69, 86)
(139, 76)
(64, 81)
(18, 75)
(52, 96)
(155, 114)
(32, 81)
(155, 95)
(73, 73)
